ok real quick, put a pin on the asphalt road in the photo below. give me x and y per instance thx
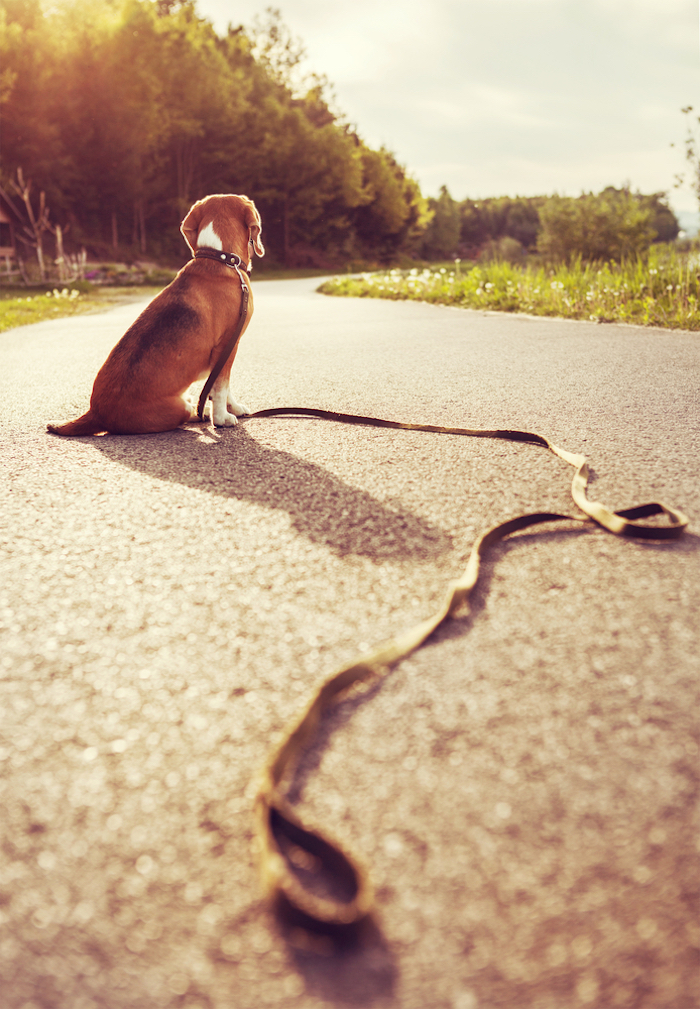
(522, 789)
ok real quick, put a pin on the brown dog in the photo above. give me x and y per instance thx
(178, 338)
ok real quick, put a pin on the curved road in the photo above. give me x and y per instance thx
(521, 788)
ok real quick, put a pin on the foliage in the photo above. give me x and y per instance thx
(614, 225)
(392, 214)
(504, 250)
(663, 221)
(484, 221)
(660, 289)
(442, 234)
(125, 112)
(592, 226)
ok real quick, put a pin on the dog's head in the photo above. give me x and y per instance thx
(225, 222)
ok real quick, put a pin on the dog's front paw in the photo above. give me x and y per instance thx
(225, 420)
(236, 408)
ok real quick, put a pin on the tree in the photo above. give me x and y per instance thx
(473, 230)
(692, 152)
(663, 221)
(612, 225)
(392, 213)
(523, 221)
(125, 112)
(38, 222)
(30, 131)
(490, 220)
(442, 233)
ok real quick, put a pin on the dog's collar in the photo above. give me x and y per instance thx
(227, 258)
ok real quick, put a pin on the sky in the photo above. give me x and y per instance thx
(508, 97)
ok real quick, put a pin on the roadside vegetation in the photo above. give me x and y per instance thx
(659, 289)
(22, 306)
(615, 256)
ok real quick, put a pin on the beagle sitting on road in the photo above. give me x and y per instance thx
(180, 336)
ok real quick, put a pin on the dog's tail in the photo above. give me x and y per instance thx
(87, 424)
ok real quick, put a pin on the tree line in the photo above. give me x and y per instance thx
(124, 112)
(614, 224)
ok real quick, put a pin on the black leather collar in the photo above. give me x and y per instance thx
(227, 258)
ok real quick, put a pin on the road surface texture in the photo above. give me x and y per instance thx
(521, 788)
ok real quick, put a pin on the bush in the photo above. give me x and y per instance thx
(614, 225)
(503, 250)
(159, 278)
(441, 237)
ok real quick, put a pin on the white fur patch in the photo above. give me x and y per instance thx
(208, 238)
(235, 407)
(224, 408)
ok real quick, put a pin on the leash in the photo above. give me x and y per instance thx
(234, 262)
(314, 883)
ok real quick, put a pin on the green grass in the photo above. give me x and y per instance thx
(22, 306)
(662, 290)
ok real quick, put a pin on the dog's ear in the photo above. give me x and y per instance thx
(252, 219)
(190, 225)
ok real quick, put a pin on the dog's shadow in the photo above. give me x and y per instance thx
(322, 507)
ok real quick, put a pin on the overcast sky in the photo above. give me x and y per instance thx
(508, 97)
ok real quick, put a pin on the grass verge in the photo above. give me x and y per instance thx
(662, 290)
(22, 306)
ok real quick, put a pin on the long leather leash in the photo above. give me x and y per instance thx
(234, 262)
(316, 883)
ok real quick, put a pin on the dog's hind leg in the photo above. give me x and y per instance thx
(163, 414)
(193, 407)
